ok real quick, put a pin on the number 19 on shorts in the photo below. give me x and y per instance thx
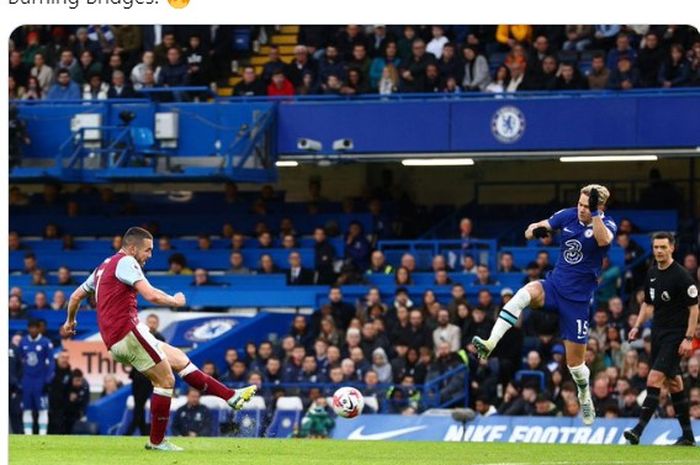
(582, 328)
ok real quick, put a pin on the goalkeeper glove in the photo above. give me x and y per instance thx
(593, 202)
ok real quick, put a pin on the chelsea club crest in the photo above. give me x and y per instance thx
(508, 124)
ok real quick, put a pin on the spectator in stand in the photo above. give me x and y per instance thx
(446, 332)
(199, 68)
(437, 43)
(30, 264)
(483, 277)
(388, 57)
(267, 265)
(449, 64)
(485, 302)
(279, 85)
(192, 419)
(405, 42)
(649, 61)
(510, 35)
(604, 35)
(468, 265)
(273, 65)
(301, 64)
(324, 256)
(249, 85)
(622, 48)
(95, 89)
(58, 301)
(517, 78)
(690, 263)
(39, 277)
(177, 265)
(355, 84)
(347, 39)
(570, 78)
(67, 61)
(64, 277)
(265, 240)
(624, 76)
(506, 264)
(545, 78)
(357, 248)
(43, 72)
(237, 241)
(330, 65)
(599, 74)
(174, 72)
(476, 70)
(115, 64)
(500, 81)
(543, 263)
(360, 60)
(78, 400)
(64, 88)
(419, 334)
(83, 43)
(675, 71)
(138, 72)
(120, 88)
(161, 50)
(88, 67)
(413, 71)
(16, 312)
(297, 275)
(389, 82)
(402, 277)
(540, 50)
(578, 38)
(433, 82)
(379, 265)
(201, 278)
(18, 70)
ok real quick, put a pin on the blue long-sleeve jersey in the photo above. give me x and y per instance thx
(37, 359)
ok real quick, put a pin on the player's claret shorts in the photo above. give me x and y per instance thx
(138, 349)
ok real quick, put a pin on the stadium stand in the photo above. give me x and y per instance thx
(384, 329)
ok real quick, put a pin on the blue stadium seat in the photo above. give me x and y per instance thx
(249, 420)
(286, 417)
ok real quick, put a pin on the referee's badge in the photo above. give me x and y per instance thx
(665, 296)
(651, 293)
(693, 291)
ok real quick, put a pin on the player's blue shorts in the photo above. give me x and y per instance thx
(33, 397)
(574, 316)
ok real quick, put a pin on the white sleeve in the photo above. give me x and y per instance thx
(89, 284)
(129, 271)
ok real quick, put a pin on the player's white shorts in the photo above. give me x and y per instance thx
(138, 349)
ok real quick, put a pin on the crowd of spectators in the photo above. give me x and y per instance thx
(97, 62)
(389, 345)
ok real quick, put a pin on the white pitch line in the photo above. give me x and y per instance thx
(616, 462)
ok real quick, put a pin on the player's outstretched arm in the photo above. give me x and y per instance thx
(158, 297)
(73, 304)
(537, 230)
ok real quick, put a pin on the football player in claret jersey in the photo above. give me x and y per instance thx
(115, 284)
(586, 235)
(671, 297)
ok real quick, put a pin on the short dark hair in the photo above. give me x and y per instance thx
(136, 235)
(178, 259)
(63, 71)
(664, 235)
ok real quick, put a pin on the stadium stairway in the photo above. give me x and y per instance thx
(285, 38)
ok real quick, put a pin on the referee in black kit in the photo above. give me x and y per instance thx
(671, 296)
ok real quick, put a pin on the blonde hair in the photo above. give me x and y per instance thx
(603, 192)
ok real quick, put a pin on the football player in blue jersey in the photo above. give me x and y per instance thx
(36, 355)
(586, 235)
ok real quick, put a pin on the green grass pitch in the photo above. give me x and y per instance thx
(111, 450)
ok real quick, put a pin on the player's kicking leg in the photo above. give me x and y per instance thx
(196, 378)
(531, 294)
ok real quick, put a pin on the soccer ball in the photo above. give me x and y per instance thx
(348, 402)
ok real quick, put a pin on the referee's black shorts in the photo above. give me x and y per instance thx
(664, 351)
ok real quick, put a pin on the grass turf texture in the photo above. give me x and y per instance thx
(115, 450)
